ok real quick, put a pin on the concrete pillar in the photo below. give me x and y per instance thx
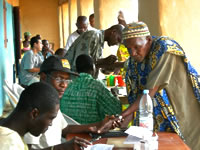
(72, 15)
(106, 12)
(85, 7)
(149, 13)
(60, 18)
(179, 20)
(63, 23)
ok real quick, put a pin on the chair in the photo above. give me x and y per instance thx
(15, 88)
(12, 98)
(70, 121)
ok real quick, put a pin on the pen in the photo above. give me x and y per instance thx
(95, 139)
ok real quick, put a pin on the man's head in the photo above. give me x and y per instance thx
(91, 20)
(85, 64)
(36, 43)
(61, 52)
(27, 35)
(56, 71)
(113, 35)
(45, 43)
(137, 39)
(39, 102)
(82, 24)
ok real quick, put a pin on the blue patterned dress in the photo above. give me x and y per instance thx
(136, 79)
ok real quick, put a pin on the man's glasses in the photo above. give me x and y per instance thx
(60, 80)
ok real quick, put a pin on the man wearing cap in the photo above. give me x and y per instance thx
(55, 70)
(26, 42)
(160, 65)
(30, 64)
(92, 43)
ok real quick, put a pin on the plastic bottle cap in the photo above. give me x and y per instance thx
(146, 92)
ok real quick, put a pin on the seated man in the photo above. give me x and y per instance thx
(82, 26)
(30, 64)
(46, 51)
(86, 99)
(56, 71)
(38, 106)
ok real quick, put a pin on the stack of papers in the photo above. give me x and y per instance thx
(139, 132)
(99, 147)
(141, 137)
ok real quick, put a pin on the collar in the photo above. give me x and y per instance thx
(85, 75)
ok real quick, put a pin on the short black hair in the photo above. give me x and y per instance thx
(44, 41)
(40, 95)
(61, 52)
(84, 63)
(118, 28)
(38, 36)
(34, 40)
(91, 16)
(81, 19)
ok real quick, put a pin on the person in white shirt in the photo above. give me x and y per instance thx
(82, 26)
(55, 71)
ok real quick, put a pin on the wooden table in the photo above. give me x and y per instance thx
(166, 141)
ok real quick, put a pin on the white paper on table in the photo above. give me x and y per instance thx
(99, 147)
(132, 139)
(139, 132)
(141, 136)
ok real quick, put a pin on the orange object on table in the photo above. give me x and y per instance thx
(120, 80)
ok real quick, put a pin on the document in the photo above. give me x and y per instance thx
(99, 147)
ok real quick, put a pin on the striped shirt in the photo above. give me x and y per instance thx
(87, 100)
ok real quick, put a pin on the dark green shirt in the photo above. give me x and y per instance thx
(87, 100)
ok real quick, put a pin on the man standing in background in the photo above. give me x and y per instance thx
(82, 26)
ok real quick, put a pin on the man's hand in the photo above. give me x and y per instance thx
(118, 121)
(76, 144)
(109, 122)
(114, 91)
(110, 59)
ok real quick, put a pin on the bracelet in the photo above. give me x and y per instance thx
(120, 118)
(52, 148)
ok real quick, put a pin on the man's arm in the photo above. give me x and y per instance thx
(103, 62)
(135, 106)
(34, 70)
(75, 143)
(98, 127)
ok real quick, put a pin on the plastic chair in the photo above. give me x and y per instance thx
(15, 88)
(12, 98)
(70, 121)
